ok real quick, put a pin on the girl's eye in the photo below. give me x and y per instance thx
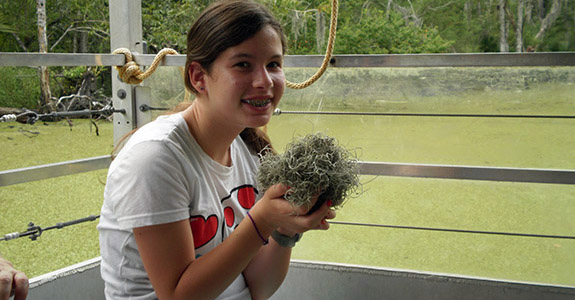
(243, 64)
(274, 64)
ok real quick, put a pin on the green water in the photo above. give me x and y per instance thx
(452, 204)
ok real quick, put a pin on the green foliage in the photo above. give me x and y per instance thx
(4, 25)
(373, 35)
(72, 25)
(166, 23)
(74, 72)
(19, 86)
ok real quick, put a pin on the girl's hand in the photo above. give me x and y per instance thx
(279, 214)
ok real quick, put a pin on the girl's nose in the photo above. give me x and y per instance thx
(262, 79)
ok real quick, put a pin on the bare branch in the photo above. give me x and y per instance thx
(19, 41)
(441, 6)
(61, 37)
(549, 19)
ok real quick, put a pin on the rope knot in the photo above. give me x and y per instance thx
(131, 73)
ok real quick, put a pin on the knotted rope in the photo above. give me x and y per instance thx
(328, 52)
(131, 73)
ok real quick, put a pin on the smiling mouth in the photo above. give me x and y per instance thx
(257, 103)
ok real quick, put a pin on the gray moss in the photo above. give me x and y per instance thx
(315, 164)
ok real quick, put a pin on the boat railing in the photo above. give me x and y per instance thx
(306, 280)
(321, 280)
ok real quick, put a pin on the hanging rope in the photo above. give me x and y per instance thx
(328, 52)
(131, 73)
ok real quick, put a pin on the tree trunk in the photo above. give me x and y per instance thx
(503, 28)
(519, 27)
(541, 9)
(83, 42)
(467, 11)
(549, 19)
(319, 31)
(528, 11)
(43, 48)
(74, 42)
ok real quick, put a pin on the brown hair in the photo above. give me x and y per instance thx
(222, 25)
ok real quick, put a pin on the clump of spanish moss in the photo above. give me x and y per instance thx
(313, 165)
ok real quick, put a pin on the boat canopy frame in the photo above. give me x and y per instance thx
(126, 32)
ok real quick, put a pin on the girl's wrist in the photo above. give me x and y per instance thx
(286, 232)
(257, 216)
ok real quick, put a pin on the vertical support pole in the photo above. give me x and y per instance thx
(125, 32)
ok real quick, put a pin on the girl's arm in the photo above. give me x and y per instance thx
(268, 269)
(167, 250)
(168, 254)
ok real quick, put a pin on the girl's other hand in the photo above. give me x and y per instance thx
(281, 215)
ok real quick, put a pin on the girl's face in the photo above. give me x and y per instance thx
(247, 81)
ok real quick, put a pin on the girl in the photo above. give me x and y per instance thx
(182, 217)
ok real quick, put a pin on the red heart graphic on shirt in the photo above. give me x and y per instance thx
(203, 230)
(247, 197)
(230, 216)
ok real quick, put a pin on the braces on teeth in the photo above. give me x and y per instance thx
(258, 103)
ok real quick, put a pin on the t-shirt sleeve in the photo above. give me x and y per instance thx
(146, 186)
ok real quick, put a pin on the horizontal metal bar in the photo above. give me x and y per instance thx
(347, 113)
(41, 172)
(30, 59)
(344, 61)
(468, 172)
(457, 60)
(16, 176)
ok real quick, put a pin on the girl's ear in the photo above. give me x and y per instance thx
(197, 76)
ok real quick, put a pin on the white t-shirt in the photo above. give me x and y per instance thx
(160, 176)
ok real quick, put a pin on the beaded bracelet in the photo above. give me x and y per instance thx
(265, 241)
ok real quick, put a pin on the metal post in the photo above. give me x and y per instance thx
(125, 32)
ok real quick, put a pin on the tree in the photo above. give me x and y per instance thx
(549, 19)
(503, 27)
(43, 48)
(519, 27)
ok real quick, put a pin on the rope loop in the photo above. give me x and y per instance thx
(328, 51)
(131, 73)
